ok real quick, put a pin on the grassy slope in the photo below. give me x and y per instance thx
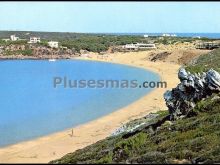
(205, 62)
(195, 139)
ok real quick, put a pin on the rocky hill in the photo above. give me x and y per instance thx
(35, 51)
(188, 133)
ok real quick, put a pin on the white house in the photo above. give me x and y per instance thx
(34, 40)
(53, 44)
(146, 36)
(14, 38)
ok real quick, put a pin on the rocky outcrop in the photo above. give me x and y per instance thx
(38, 52)
(15, 47)
(160, 56)
(42, 50)
(192, 88)
(137, 124)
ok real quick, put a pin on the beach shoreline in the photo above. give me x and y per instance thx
(56, 145)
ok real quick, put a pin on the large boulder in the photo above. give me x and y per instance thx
(213, 79)
(192, 88)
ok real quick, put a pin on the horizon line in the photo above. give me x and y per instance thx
(99, 32)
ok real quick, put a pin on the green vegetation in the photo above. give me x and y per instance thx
(205, 39)
(100, 43)
(173, 40)
(43, 35)
(77, 41)
(43, 42)
(7, 43)
(206, 62)
(91, 42)
(26, 52)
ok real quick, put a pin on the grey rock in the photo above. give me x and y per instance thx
(182, 75)
(213, 79)
(136, 124)
(191, 89)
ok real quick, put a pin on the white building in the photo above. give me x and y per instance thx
(139, 46)
(169, 35)
(197, 37)
(14, 38)
(146, 36)
(166, 35)
(130, 46)
(53, 44)
(34, 40)
(173, 35)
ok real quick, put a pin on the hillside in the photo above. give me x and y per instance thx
(44, 35)
(98, 42)
(205, 62)
(194, 139)
(77, 41)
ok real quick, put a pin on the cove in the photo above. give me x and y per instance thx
(30, 106)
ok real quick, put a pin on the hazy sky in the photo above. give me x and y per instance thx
(132, 17)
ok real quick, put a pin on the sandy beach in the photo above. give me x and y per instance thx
(54, 146)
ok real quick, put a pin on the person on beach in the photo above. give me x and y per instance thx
(71, 135)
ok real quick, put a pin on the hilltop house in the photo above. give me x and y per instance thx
(34, 40)
(53, 44)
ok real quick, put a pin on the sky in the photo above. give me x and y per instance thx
(111, 17)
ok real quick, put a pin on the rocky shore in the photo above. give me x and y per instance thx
(36, 52)
(180, 101)
(40, 57)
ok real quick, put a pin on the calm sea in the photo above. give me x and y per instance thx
(31, 107)
(206, 35)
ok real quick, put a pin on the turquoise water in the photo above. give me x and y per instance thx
(31, 107)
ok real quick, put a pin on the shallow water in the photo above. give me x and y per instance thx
(31, 107)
